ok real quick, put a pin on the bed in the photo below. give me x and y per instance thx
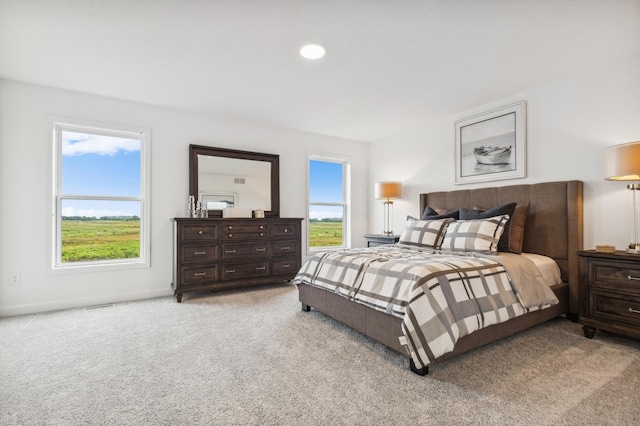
(553, 229)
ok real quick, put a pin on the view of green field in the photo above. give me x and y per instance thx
(325, 234)
(100, 239)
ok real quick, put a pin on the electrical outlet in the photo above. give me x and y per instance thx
(15, 278)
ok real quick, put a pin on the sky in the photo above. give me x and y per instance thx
(325, 185)
(103, 166)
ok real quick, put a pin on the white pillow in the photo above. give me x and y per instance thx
(423, 233)
(481, 235)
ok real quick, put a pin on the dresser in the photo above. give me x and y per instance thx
(609, 293)
(213, 254)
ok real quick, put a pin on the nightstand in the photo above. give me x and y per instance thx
(609, 293)
(374, 240)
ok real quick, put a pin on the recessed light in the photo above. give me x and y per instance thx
(312, 51)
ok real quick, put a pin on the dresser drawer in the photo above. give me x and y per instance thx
(245, 231)
(199, 253)
(232, 271)
(199, 274)
(614, 307)
(285, 266)
(285, 229)
(198, 232)
(284, 248)
(244, 250)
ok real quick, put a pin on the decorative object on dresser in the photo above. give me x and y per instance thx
(214, 254)
(374, 240)
(609, 293)
(622, 162)
(388, 191)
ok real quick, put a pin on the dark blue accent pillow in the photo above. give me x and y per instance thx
(431, 214)
(503, 244)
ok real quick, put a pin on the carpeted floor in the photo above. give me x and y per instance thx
(253, 357)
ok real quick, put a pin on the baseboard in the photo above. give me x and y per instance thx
(10, 311)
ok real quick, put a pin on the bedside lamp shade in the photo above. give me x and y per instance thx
(622, 163)
(388, 191)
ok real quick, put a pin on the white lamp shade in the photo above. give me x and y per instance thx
(388, 190)
(622, 162)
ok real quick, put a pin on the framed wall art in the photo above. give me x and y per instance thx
(492, 145)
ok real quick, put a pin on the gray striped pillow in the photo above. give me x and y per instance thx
(423, 233)
(480, 235)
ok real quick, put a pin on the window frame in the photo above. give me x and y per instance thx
(346, 199)
(144, 136)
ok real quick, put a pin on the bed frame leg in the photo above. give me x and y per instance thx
(419, 371)
(306, 308)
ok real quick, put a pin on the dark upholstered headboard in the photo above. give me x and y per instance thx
(554, 225)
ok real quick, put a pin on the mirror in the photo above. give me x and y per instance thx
(223, 177)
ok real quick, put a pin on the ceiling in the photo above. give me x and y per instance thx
(390, 64)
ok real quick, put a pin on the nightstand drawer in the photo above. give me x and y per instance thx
(618, 308)
(623, 274)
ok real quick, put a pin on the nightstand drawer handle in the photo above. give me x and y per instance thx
(635, 311)
(629, 277)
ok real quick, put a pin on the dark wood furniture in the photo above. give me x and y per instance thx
(214, 254)
(272, 160)
(554, 228)
(374, 240)
(610, 293)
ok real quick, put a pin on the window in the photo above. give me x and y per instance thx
(100, 202)
(328, 215)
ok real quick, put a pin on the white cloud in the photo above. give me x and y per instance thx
(82, 143)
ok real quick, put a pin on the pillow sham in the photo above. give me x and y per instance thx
(508, 209)
(513, 236)
(433, 213)
(477, 235)
(423, 233)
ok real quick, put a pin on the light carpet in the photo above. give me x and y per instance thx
(253, 357)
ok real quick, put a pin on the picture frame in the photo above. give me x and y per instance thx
(492, 145)
(219, 200)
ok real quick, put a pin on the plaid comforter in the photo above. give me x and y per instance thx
(440, 296)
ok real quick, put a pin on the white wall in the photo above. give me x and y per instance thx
(26, 113)
(570, 123)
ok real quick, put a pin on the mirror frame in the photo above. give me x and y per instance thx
(273, 159)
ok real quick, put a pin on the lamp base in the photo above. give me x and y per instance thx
(387, 232)
(633, 249)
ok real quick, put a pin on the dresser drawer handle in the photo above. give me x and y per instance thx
(285, 248)
(286, 230)
(230, 271)
(230, 228)
(261, 249)
(230, 251)
(629, 277)
(261, 268)
(261, 226)
(634, 311)
(199, 253)
(261, 234)
(286, 266)
(200, 274)
(199, 232)
(230, 235)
